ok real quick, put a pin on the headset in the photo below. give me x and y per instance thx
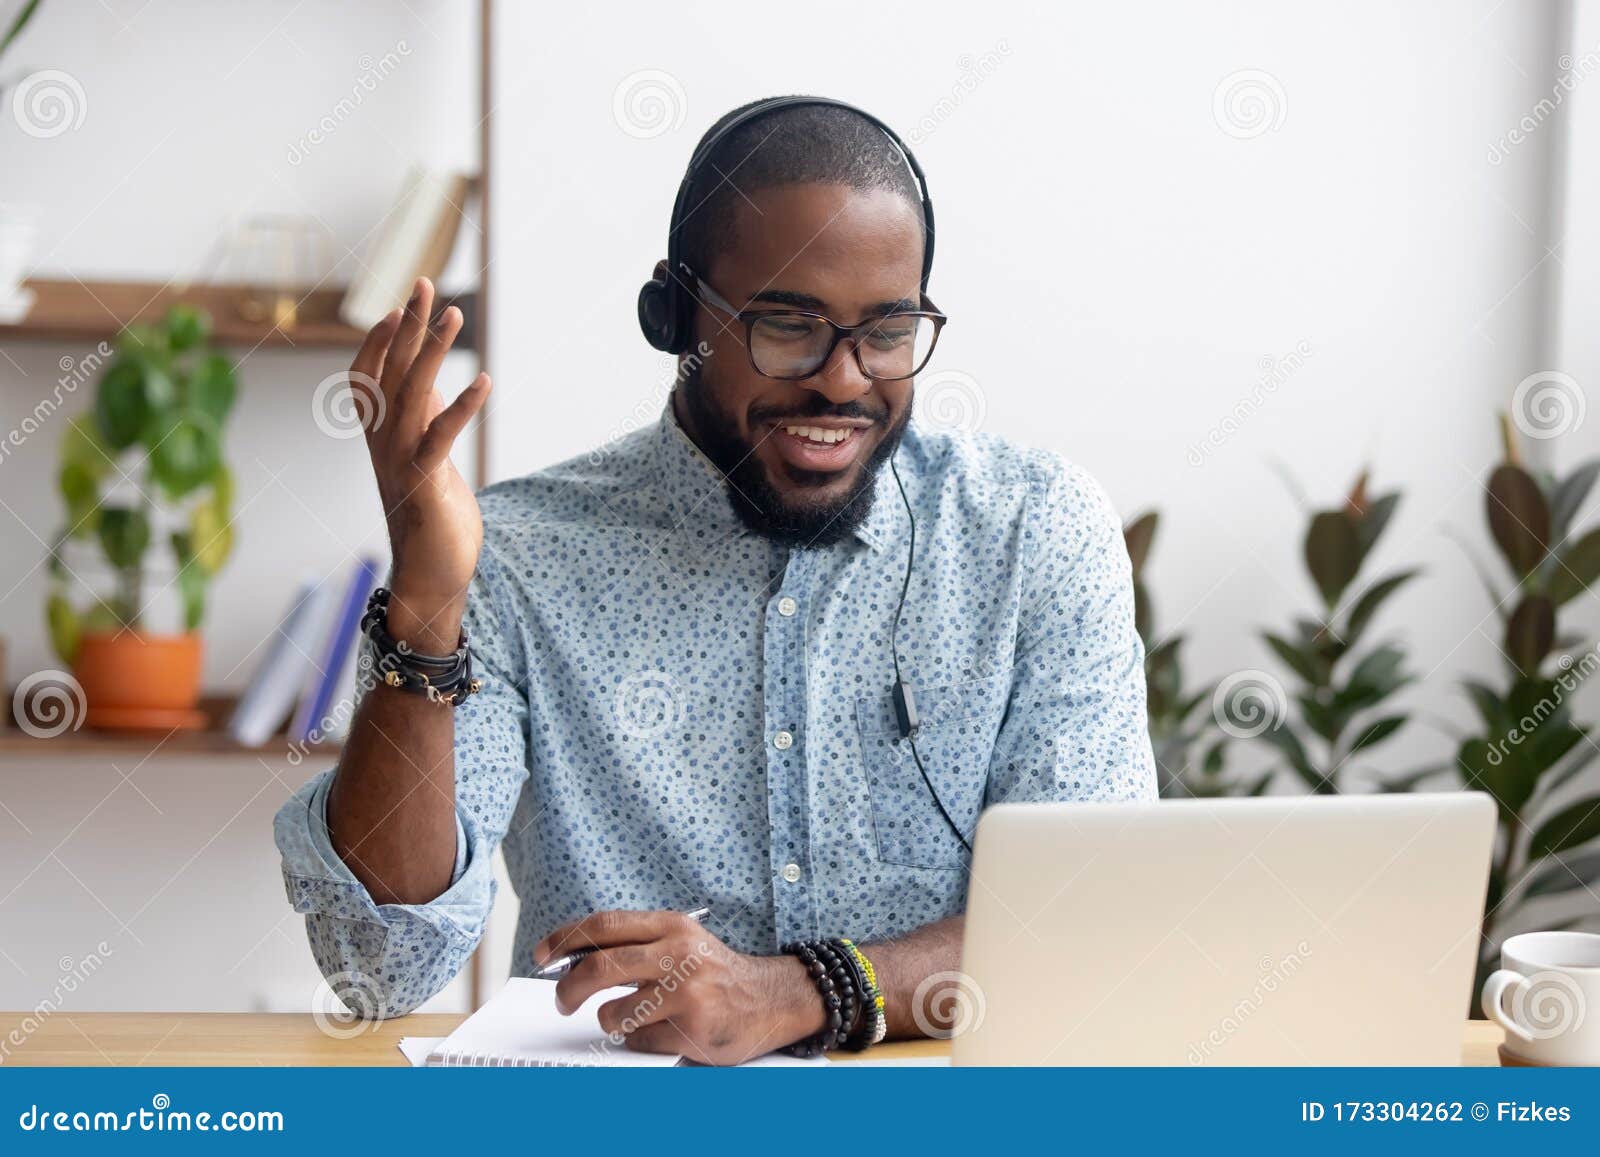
(666, 311)
(666, 305)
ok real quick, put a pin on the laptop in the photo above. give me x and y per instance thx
(1312, 930)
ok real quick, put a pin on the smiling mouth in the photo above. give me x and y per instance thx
(826, 435)
(814, 448)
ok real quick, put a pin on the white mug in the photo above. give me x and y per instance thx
(1546, 995)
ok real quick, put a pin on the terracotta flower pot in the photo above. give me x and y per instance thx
(136, 681)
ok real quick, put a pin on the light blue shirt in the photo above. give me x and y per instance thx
(677, 712)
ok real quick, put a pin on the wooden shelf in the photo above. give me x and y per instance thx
(73, 310)
(88, 743)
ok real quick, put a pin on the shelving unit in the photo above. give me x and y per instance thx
(87, 743)
(72, 310)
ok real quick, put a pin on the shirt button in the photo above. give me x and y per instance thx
(791, 872)
(787, 606)
(783, 741)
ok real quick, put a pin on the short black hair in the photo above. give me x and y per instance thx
(803, 144)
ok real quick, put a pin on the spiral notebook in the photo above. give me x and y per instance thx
(521, 1026)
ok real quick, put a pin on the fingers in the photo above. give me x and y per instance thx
(658, 1038)
(607, 968)
(413, 326)
(375, 347)
(628, 1014)
(444, 429)
(368, 367)
(610, 928)
(417, 386)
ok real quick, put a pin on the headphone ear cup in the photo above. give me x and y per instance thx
(656, 318)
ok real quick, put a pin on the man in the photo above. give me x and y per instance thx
(689, 642)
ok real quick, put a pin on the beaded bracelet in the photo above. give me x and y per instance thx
(874, 1024)
(445, 679)
(834, 972)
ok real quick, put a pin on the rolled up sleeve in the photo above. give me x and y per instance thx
(384, 960)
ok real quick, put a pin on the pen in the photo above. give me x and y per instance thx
(562, 965)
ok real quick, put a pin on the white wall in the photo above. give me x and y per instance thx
(1086, 179)
(1576, 122)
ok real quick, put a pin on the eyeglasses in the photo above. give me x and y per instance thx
(790, 344)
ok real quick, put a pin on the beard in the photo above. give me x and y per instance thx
(790, 517)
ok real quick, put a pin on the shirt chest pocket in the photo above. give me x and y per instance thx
(955, 742)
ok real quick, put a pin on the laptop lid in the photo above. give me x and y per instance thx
(1337, 930)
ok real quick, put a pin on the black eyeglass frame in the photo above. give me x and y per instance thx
(749, 317)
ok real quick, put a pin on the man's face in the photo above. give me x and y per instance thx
(829, 249)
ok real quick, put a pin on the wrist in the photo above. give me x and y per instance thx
(799, 1006)
(429, 624)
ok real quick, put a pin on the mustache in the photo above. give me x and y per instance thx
(817, 407)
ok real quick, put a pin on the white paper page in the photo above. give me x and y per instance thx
(416, 1048)
(521, 1025)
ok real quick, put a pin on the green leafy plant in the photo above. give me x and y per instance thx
(1178, 724)
(147, 455)
(1530, 748)
(1343, 689)
(17, 24)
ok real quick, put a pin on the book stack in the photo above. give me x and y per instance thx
(307, 677)
(416, 240)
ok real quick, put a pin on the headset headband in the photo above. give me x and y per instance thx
(664, 305)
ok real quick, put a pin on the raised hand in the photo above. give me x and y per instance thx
(435, 528)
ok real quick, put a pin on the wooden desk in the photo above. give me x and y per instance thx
(211, 1038)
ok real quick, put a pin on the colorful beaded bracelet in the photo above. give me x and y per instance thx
(874, 1024)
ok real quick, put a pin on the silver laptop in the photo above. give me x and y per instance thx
(1322, 930)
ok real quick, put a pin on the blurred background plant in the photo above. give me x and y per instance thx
(158, 410)
(1190, 749)
(13, 29)
(1530, 752)
(1343, 689)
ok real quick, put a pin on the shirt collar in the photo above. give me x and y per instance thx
(696, 492)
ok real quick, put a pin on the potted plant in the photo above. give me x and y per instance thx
(1343, 689)
(1529, 753)
(144, 469)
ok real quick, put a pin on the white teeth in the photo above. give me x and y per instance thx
(817, 434)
